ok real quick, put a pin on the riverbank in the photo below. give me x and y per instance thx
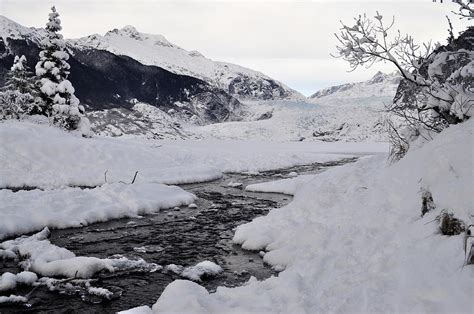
(181, 236)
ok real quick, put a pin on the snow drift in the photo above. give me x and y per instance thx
(42, 156)
(27, 211)
(353, 240)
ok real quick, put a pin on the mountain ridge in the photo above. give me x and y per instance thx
(380, 85)
(154, 49)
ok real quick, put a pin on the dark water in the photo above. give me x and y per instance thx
(183, 236)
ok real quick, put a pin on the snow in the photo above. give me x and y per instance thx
(67, 159)
(380, 86)
(203, 268)
(350, 120)
(196, 272)
(18, 64)
(12, 299)
(138, 310)
(13, 30)
(353, 240)
(27, 211)
(284, 186)
(9, 281)
(100, 292)
(151, 49)
(234, 184)
(37, 254)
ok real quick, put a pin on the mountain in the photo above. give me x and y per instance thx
(104, 80)
(380, 85)
(156, 50)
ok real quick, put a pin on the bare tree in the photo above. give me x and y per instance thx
(465, 9)
(435, 74)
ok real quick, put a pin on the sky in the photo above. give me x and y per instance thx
(290, 41)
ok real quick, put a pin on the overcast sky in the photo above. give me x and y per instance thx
(288, 40)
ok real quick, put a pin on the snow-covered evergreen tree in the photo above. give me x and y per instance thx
(52, 71)
(17, 98)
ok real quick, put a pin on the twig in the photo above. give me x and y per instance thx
(134, 177)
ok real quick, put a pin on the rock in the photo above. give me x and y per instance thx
(265, 116)
(427, 203)
(451, 225)
(319, 133)
(192, 205)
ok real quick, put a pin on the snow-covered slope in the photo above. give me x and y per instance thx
(156, 50)
(380, 86)
(353, 241)
(11, 29)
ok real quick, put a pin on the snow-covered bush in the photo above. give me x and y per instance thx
(17, 97)
(437, 89)
(52, 71)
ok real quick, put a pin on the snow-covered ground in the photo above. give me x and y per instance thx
(62, 164)
(353, 240)
(43, 156)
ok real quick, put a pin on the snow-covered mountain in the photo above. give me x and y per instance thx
(380, 85)
(13, 30)
(104, 80)
(156, 50)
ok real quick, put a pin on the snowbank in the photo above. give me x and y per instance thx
(284, 186)
(43, 156)
(353, 240)
(27, 211)
(38, 255)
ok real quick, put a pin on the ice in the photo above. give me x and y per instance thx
(328, 120)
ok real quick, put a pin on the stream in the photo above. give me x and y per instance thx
(182, 236)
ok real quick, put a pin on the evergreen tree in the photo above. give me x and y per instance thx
(17, 97)
(52, 70)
